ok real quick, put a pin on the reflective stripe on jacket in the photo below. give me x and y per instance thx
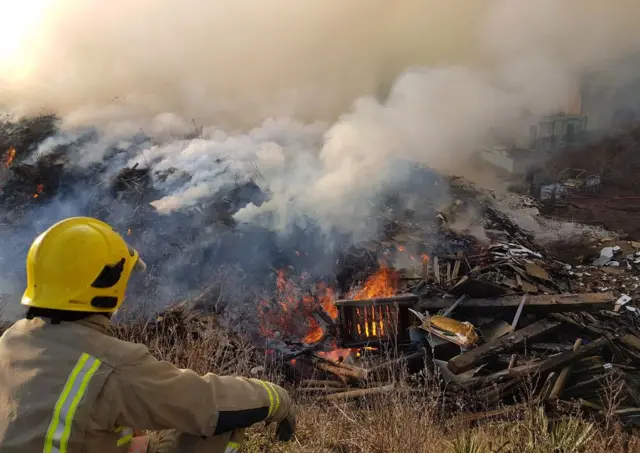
(71, 388)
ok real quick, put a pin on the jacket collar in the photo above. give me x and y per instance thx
(96, 322)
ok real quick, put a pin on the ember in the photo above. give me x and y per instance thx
(365, 321)
(11, 155)
(39, 189)
(338, 355)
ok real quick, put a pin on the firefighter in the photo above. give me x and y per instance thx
(66, 386)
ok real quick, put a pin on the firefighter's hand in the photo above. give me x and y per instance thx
(284, 416)
(287, 427)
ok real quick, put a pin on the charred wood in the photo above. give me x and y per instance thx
(564, 375)
(552, 364)
(480, 354)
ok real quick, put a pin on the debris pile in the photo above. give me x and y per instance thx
(485, 315)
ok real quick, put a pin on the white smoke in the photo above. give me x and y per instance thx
(461, 73)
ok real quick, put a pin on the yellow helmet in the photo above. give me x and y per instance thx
(79, 264)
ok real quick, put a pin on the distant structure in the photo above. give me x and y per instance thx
(605, 101)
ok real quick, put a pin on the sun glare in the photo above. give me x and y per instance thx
(18, 20)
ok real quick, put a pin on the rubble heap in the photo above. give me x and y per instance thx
(483, 315)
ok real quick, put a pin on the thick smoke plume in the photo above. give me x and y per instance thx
(323, 103)
(228, 62)
(422, 81)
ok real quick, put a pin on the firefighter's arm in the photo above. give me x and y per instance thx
(146, 393)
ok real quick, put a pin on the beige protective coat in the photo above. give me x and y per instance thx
(73, 388)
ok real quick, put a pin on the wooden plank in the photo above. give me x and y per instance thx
(426, 265)
(551, 364)
(351, 394)
(456, 270)
(516, 318)
(476, 356)
(454, 305)
(342, 372)
(548, 386)
(536, 271)
(558, 387)
(436, 269)
(316, 384)
(474, 416)
(318, 390)
(495, 393)
(628, 412)
(543, 303)
(395, 364)
(631, 340)
(402, 300)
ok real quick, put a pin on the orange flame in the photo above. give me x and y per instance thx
(403, 249)
(11, 155)
(315, 334)
(383, 283)
(327, 299)
(337, 354)
(39, 189)
(295, 304)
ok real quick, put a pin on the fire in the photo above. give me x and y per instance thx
(39, 189)
(337, 354)
(11, 155)
(383, 283)
(315, 334)
(327, 298)
(374, 321)
(403, 249)
(295, 311)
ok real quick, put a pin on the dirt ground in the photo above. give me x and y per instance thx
(613, 209)
(617, 206)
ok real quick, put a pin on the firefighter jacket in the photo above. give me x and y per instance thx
(71, 388)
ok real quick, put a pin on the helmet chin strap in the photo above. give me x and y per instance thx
(140, 266)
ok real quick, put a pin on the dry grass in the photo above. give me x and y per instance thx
(399, 422)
